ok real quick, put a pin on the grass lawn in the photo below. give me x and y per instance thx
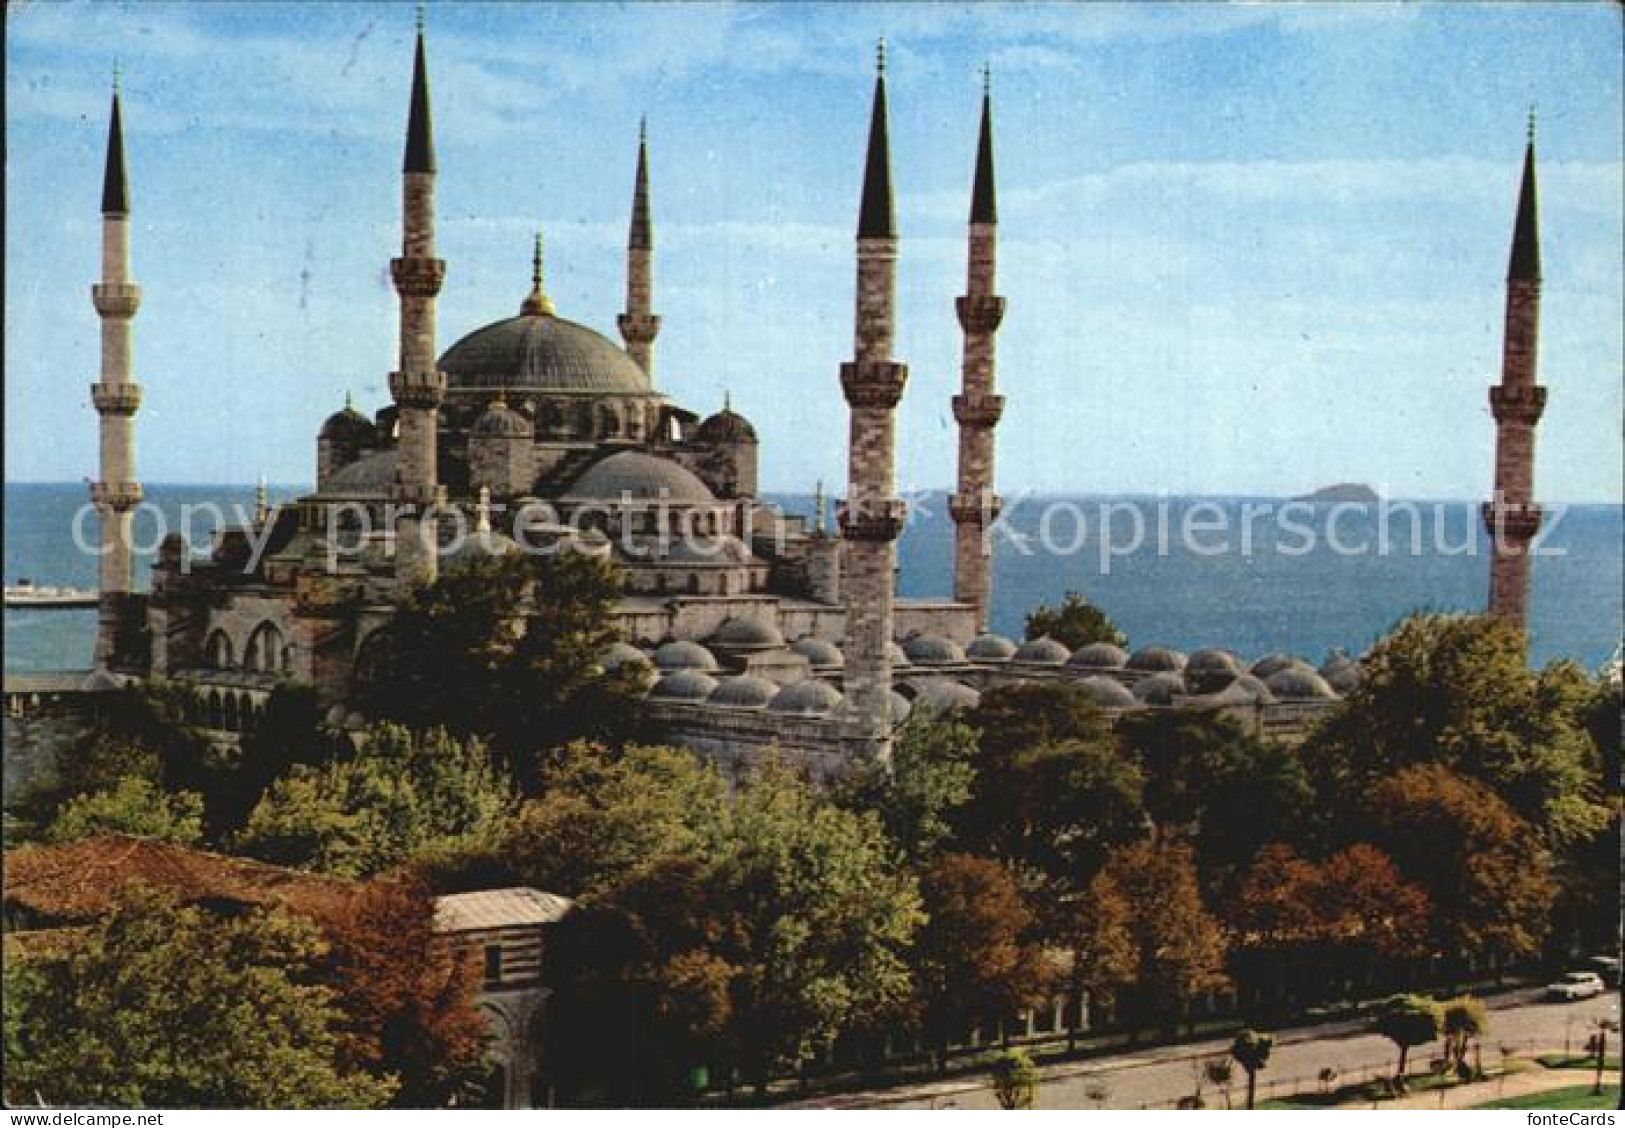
(1363, 1093)
(1577, 1061)
(1578, 1097)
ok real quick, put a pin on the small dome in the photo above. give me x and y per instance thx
(726, 426)
(499, 421)
(684, 655)
(901, 707)
(747, 634)
(620, 654)
(1244, 690)
(820, 653)
(1159, 689)
(743, 692)
(684, 685)
(944, 693)
(349, 424)
(1212, 658)
(1343, 674)
(1108, 693)
(899, 657)
(806, 698)
(932, 650)
(642, 477)
(1210, 670)
(990, 648)
(1042, 652)
(1156, 658)
(1271, 664)
(1099, 656)
(99, 681)
(1300, 684)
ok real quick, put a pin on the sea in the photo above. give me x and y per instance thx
(1308, 580)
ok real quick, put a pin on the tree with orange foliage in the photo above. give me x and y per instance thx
(406, 994)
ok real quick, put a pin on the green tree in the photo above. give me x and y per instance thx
(930, 779)
(1015, 1081)
(1075, 622)
(1098, 932)
(400, 792)
(167, 1007)
(507, 648)
(973, 957)
(131, 806)
(1408, 1021)
(1484, 869)
(1252, 1052)
(1463, 1021)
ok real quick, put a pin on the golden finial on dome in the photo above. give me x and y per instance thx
(538, 304)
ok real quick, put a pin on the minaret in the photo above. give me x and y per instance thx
(1511, 515)
(872, 516)
(117, 396)
(639, 325)
(417, 386)
(974, 505)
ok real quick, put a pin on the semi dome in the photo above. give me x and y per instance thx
(1159, 689)
(542, 353)
(820, 653)
(747, 634)
(932, 650)
(990, 648)
(1299, 683)
(684, 685)
(945, 693)
(642, 476)
(806, 698)
(743, 692)
(684, 655)
(1099, 656)
(726, 426)
(1156, 658)
(1108, 693)
(369, 475)
(1042, 652)
(499, 421)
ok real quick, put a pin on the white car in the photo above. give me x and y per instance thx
(1575, 985)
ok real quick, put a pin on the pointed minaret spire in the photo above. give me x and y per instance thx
(419, 123)
(115, 184)
(984, 204)
(876, 214)
(639, 325)
(1524, 262)
(537, 303)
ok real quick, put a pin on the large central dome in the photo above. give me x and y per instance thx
(541, 352)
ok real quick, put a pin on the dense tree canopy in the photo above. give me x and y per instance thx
(919, 795)
(133, 805)
(1075, 622)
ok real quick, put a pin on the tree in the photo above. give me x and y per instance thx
(398, 793)
(133, 805)
(168, 1007)
(1076, 622)
(1484, 869)
(1015, 1081)
(972, 957)
(1105, 956)
(406, 996)
(1464, 1020)
(1407, 1021)
(1220, 1072)
(929, 780)
(507, 648)
(1181, 947)
(1252, 1052)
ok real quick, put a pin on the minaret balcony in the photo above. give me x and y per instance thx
(638, 326)
(418, 277)
(1511, 521)
(116, 399)
(418, 389)
(1517, 403)
(117, 496)
(873, 519)
(875, 383)
(980, 313)
(116, 299)
(976, 508)
(978, 411)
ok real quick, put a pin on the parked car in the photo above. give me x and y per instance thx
(1607, 967)
(1575, 985)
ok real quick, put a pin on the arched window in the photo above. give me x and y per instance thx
(218, 651)
(264, 650)
(231, 715)
(609, 422)
(216, 714)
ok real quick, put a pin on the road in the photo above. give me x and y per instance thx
(1163, 1075)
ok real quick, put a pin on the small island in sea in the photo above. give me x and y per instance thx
(1357, 492)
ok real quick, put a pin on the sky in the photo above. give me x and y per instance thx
(1247, 249)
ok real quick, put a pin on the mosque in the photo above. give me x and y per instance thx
(754, 629)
